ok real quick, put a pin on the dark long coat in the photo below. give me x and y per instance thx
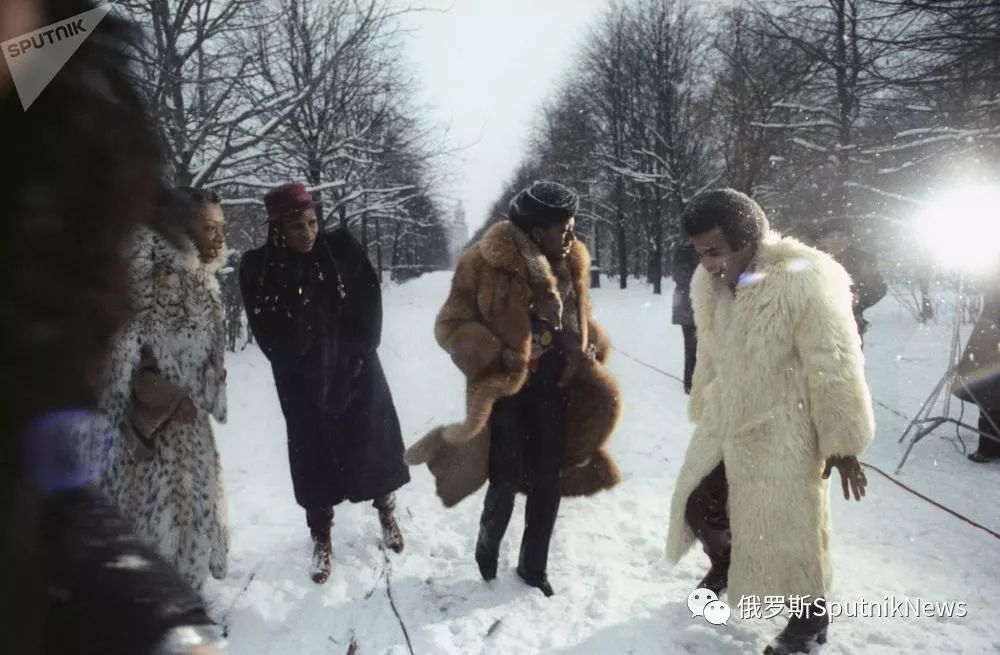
(867, 285)
(318, 319)
(979, 368)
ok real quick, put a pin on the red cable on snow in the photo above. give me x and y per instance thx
(932, 502)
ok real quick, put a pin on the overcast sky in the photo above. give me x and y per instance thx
(486, 66)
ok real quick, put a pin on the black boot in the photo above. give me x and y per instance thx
(707, 515)
(989, 450)
(802, 632)
(540, 513)
(497, 509)
(534, 579)
(717, 578)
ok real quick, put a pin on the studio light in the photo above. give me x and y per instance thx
(961, 227)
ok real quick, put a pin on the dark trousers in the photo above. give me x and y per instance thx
(319, 519)
(527, 438)
(708, 516)
(690, 353)
(989, 447)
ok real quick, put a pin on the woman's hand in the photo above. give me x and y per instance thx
(186, 412)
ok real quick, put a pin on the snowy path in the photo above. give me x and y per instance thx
(614, 592)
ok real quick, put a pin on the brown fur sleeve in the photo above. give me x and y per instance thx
(580, 263)
(459, 330)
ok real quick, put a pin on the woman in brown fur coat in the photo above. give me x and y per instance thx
(540, 404)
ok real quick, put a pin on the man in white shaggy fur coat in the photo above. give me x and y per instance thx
(779, 399)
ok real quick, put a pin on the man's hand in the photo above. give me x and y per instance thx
(574, 360)
(852, 476)
(513, 361)
(186, 412)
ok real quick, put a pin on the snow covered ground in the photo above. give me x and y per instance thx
(614, 592)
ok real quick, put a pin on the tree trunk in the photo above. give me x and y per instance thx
(926, 307)
(378, 246)
(395, 244)
(656, 265)
(182, 175)
(622, 233)
(315, 178)
(845, 101)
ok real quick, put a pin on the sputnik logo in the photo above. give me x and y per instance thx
(35, 58)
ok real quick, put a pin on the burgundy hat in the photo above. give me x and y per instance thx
(287, 199)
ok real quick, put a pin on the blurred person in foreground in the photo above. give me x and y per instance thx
(779, 400)
(84, 164)
(314, 305)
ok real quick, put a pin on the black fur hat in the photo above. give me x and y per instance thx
(542, 204)
(739, 217)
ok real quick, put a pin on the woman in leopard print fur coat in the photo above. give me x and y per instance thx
(165, 379)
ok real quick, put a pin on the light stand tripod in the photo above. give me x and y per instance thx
(923, 419)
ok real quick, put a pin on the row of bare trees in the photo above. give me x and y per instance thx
(252, 93)
(818, 108)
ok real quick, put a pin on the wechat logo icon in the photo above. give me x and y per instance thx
(705, 603)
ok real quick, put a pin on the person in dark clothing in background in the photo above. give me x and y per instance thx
(76, 580)
(685, 260)
(834, 237)
(314, 305)
(978, 375)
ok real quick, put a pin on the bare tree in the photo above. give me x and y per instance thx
(355, 139)
(604, 60)
(945, 107)
(668, 124)
(828, 120)
(756, 80)
(197, 71)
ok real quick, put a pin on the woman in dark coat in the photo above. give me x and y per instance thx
(314, 306)
(685, 260)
